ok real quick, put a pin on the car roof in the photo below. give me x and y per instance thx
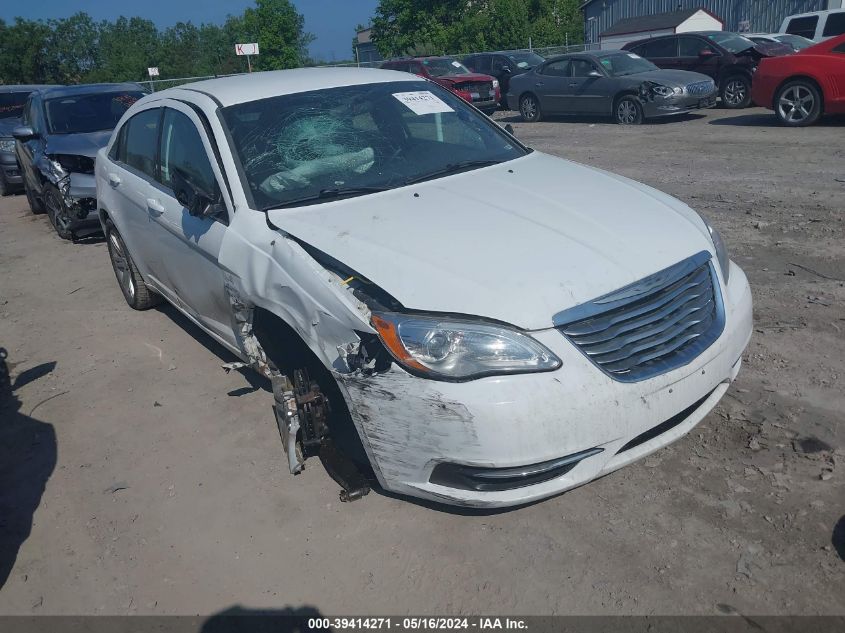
(236, 89)
(54, 92)
(590, 54)
(24, 87)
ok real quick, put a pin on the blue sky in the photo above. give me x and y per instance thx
(332, 21)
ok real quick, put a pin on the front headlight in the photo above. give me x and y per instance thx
(666, 91)
(721, 249)
(495, 83)
(7, 145)
(452, 349)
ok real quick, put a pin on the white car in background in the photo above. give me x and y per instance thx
(797, 42)
(437, 306)
(815, 25)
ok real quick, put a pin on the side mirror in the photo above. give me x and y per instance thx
(509, 129)
(594, 73)
(197, 201)
(705, 53)
(23, 133)
(507, 70)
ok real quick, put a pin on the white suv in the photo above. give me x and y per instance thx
(437, 306)
(815, 25)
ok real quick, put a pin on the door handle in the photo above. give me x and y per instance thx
(539, 84)
(114, 180)
(154, 206)
(573, 84)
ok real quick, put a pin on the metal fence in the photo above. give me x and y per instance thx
(548, 51)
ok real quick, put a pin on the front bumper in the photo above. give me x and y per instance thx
(680, 104)
(11, 171)
(79, 194)
(411, 425)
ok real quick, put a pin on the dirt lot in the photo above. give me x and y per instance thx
(165, 489)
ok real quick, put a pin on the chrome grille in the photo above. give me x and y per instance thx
(481, 87)
(652, 326)
(701, 88)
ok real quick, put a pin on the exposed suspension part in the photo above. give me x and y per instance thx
(302, 414)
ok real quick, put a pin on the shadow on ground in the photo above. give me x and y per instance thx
(27, 459)
(770, 120)
(602, 120)
(286, 620)
(838, 538)
(256, 381)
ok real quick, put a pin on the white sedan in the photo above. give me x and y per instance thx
(439, 308)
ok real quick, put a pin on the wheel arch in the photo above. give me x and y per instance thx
(800, 77)
(625, 92)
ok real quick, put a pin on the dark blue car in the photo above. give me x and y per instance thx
(12, 100)
(56, 144)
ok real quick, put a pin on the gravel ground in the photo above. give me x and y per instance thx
(137, 477)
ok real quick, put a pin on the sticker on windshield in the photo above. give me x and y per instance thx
(633, 56)
(423, 102)
(456, 64)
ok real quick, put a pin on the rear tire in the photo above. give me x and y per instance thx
(529, 108)
(138, 296)
(736, 92)
(57, 212)
(628, 111)
(798, 103)
(35, 204)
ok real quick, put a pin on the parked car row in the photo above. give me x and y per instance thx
(350, 234)
(676, 74)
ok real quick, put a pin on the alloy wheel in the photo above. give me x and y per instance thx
(121, 265)
(796, 104)
(735, 92)
(626, 112)
(529, 108)
(57, 214)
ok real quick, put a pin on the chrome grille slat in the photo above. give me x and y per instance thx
(660, 327)
(664, 338)
(635, 309)
(651, 326)
(700, 87)
(621, 327)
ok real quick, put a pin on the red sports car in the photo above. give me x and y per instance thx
(482, 91)
(803, 86)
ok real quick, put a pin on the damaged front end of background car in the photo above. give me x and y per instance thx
(69, 193)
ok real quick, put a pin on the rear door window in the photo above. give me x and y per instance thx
(141, 142)
(666, 47)
(835, 25)
(482, 63)
(582, 68)
(557, 69)
(692, 46)
(806, 26)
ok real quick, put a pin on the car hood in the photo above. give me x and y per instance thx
(459, 79)
(679, 78)
(7, 125)
(516, 242)
(78, 144)
(766, 49)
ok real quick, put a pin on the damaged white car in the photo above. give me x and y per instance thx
(438, 307)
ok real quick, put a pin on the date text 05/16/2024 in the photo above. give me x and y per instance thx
(416, 623)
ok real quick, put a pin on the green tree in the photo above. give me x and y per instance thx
(71, 50)
(280, 32)
(438, 26)
(23, 46)
(127, 47)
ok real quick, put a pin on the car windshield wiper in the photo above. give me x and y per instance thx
(452, 168)
(327, 194)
